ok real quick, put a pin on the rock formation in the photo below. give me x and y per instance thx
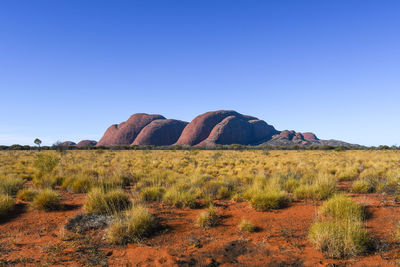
(126, 132)
(67, 143)
(160, 133)
(222, 127)
(85, 143)
(225, 127)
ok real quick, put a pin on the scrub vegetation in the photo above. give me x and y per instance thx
(125, 184)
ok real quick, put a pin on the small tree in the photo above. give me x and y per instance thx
(38, 142)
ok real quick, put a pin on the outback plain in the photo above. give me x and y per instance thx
(199, 208)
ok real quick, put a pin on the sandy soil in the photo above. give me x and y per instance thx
(32, 238)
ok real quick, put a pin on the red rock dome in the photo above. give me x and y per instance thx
(160, 133)
(126, 132)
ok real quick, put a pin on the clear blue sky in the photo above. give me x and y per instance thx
(71, 68)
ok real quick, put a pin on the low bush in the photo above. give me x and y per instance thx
(246, 226)
(6, 204)
(99, 201)
(266, 200)
(47, 200)
(136, 224)
(208, 218)
(27, 194)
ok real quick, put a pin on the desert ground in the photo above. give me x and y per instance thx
(199, 208)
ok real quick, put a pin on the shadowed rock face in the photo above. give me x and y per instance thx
(201, 126)
(160, 133)
(262, 131)
(310, 137)
(85, 143)
(126, 132)
(225, 127)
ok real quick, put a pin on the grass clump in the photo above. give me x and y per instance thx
(347, 174)
(342, 207)
(136, 224)
(179, 198)
(47, 200)
(27, 194)
(362, 187)
(47, 180)
(246, 226)
(45, 163)
(99, 201)
(80, 184)
(323, 188)
(266, 200)
(339, 232)
(153, 193)
(7, 204)
(10, 185)
(290, 185)
(208, 218)
(340, 238)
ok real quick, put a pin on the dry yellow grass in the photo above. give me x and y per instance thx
(204, 174)
(192, 178)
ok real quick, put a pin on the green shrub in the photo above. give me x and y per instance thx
(179, 198)
(340, 238)
(362, 187)
(47, 200)
(27, 194)
(132, 227)
(10, 185)
(246, 226)
(342, 207)
(208, 218)
(100, 202)
(269, 199)
(153, 193)
(6, 204)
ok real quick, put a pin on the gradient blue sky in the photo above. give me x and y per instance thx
(69, 69)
